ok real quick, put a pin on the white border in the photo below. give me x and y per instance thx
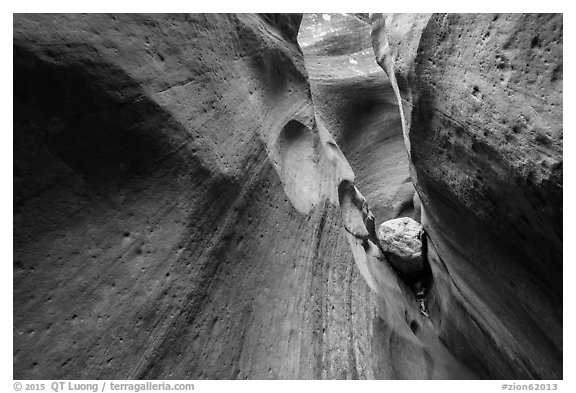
(287, 6)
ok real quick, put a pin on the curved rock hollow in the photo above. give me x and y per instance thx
(196, 197)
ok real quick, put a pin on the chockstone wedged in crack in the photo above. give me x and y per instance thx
(401, 241)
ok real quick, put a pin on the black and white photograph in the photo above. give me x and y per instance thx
(286, 196)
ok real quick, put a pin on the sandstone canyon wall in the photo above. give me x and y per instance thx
(175, 213)
(481, 103)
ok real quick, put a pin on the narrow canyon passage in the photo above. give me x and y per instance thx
(354, 100)
(200, 196)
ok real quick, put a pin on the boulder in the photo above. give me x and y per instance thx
(401, 242)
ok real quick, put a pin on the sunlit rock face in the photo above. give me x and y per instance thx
(176, 206)
(481, 103)
(354, 100)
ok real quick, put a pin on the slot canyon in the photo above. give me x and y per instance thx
(288, 196)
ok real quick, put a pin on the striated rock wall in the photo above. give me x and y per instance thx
(481, 103)
(175, 208)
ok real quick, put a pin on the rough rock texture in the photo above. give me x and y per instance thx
(481, 104)
(401, 241)
(176, 207)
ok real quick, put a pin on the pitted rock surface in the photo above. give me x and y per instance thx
(481, 102)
